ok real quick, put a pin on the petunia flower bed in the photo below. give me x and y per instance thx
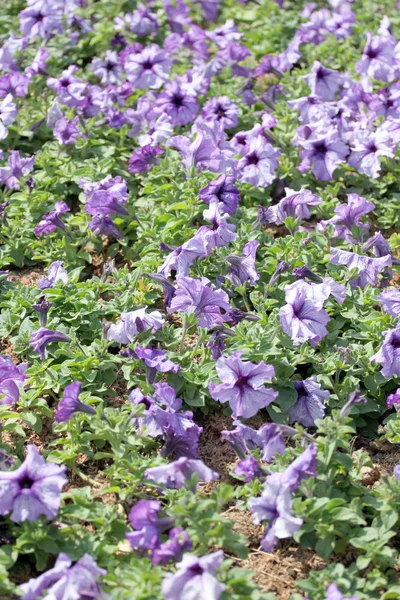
(199, 300)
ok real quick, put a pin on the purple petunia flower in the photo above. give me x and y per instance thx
(42, 307)
(243, 385)
(354, 398)
(390, 301)
(169, 289)
(42, 337)
(33, 489)
(109, 69)
(40, 19)
(134, 322)
(38, 65)
(155, 360)
(147, 524)
(323, 150)
(219, 233)
(259, 164)
(368, 268)
(17, 168)
(52, 221)
(348, 216)
(172, 550)
(377, 59)
(66, 580)
(182, 258)
(333, 593)
(197, 297)
(67, 132)
(222, 190)
(144, 158)
(194, 578)
(148, 68)
(104, 225)
(178, 474)
(8, 114)
(178, 104)
(141, 22)
(324, 83)
(242, 268)
(309, 405)
(70, 404)
(11, 380)
(301, 319)
(56, 272)
(367, 150)
(248, 469)
(389, 354)
(294, 204)
(15, 84)
(317, 293)
(202, 153)
(223, 110)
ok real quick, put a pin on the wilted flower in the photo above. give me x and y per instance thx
(242, 268)
(197, 297)
(177, 474)
(42, 337)
(243, 385)
(195, 578)
(70, 403)
(56, 272)
(33, 489)
(134, 322)
(42, 307)
(144, 158)
(49, 223)
(67, 132)
(354, 398)
(309, 405)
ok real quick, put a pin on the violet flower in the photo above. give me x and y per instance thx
(259, 164)
(354, 398)
(104, 225)
(248, 469)
(52, 221)
(55, 273)
(390, 301)
(309, 405)
(197, 297)
(70, 404)
(42, 337)
(324, 83)
(182, 258)
(219, 233)
(222, 190)
(323, 150)
(367, 150)
(42, 307)
(178, 104)
(333, 593)
(348, 216)
(242, 268)
(147, 524)
(8, 114)
(294, 204)
(15, 84)
(368, 268)
(148, 68)
(155, 360)
(40, 19)
(142, 21)
(66, 580)
(67, 132)
(33, 489)
(12, 378)
(134, 322)
(301, 319)
(172, 550)
(221, 109)
(169, 289)
(389, 354)
(377, 59)
(201, 154)
(179, 473)
(195, 578)
(144, 158)
(17, 168)
(109, 70)
(243, 385)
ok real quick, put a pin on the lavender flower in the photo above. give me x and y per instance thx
(70, 404)
(223, 110)
(155, 360)
(148, 526)
(42, 337)
(65, 580)
(49, 223)
(33, 489)
(40, 19)
(377, 59)
(133, 323)
(108, 70)
(11, 380)
(8, 114)
(202, 153)
(333, 593)
(323, 150)
(393, 399)
(104, 225)
(354, 398)
(301, 319)
(222, 190)
(17, 168)
(67, 132)
(220, 232)
(179, 473)
(309, 405)
(42, 307)
(295, 204)
(56, 272)
(324, 83)
(173, 549)
(389, 354)
(195, 296)
(390, 301)
(368, 268)
(178, 104)
(148, 68)
(348, 216)
(367, 150)
(144, 158)
(141, 22)
(195, 578)
(248, 469)
(243, 385)
(242, 268)
(181, 259)
(259, 163)
(15, 84)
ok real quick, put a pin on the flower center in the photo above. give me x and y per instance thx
(26, 482)
(252, 159)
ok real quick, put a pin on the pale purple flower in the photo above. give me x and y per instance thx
(294, 204)
(172, 550)
(8, 51)
(324, 82)
(302, 467)
(178, 104)
(155, 360)
(368, 268)
(367, 150)
(220, 233)
(179, 473)
(312, 108)
(396, 472)
(11, 380)
(52, 221)
(222, 190)
(67, 581)
(319, 292)
(333, 593)
(323, 150)
(38, 65)
(40, 19)
(389, 354)
(15, 84)
(70, 404)
(133, 323)
(141, 22)
(144, 158)
(182, 258)
(8, 114)
(221, 109)
(310, 403)
(109, 69)
(202, 153)
(197, 297)
(61, 84)
(242, 268)
(248, 469)
(115, 186)
(243, 385)
(104, 225)
(17, 168)
(195, 578)
(348, 216)
(228, 32)
(379, 246)
(269, 438)
(301, 319)
(259, 164)
(42, 337)
(67, 132)
(377, 58)
(147, 525)
(105, 202)
(33, 489)
(390, 301)
(56, 272)
(148, 68)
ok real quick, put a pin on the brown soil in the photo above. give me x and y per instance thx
(26, 277)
